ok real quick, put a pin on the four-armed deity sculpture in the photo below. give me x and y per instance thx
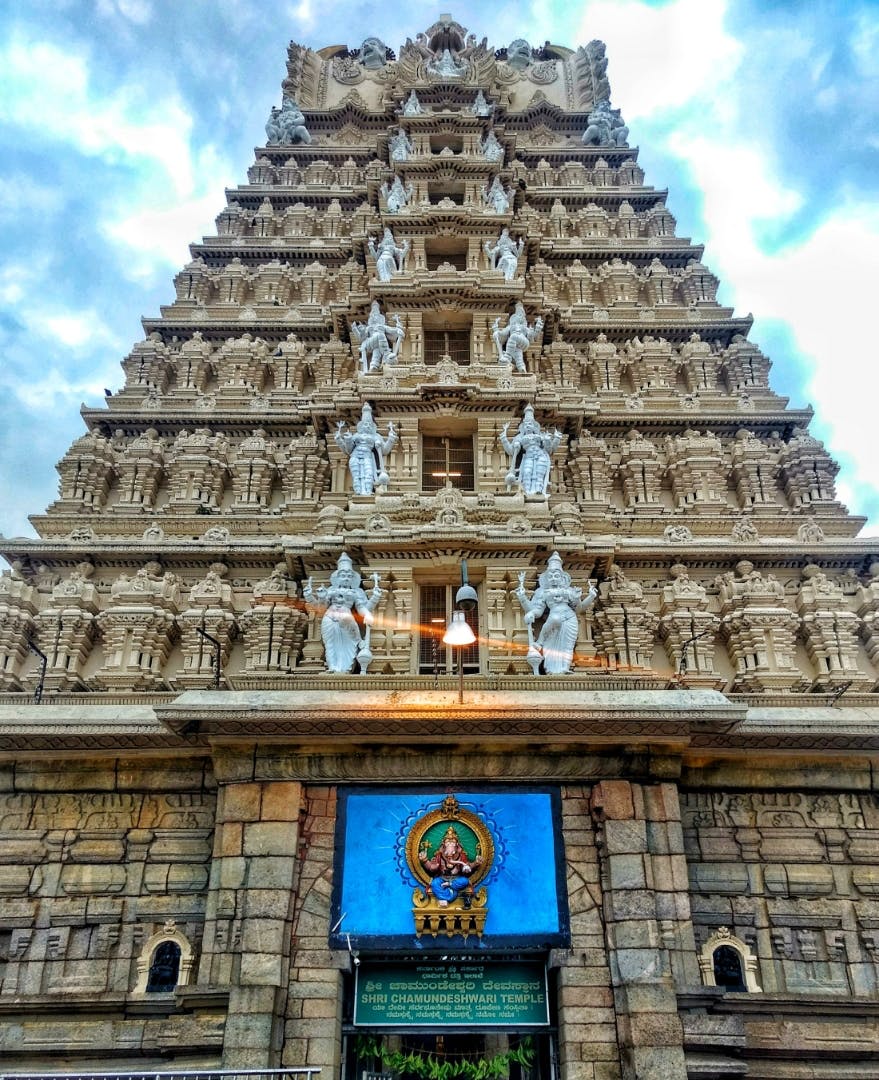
(490, 148)
(396, 196)
(606, 127)
(375, 336)
(412, 106)
(343, 643)
(512, 340)
(400, 146)
(553, 648)
(366, 451)
(530, 452)
(504, 254)
(389, 258)
(497, 196)
(286, 125)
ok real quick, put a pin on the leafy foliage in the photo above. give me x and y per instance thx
(433, 1067)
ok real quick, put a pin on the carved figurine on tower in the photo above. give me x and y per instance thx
(339, 629)
(530, 452)
(553, 648)
(505, 254)
(366, 451)
(512, 340)
(390, 259)
(375, 336)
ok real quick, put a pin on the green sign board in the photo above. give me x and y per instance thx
(451, 995)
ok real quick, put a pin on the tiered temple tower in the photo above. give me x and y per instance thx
(246, 818)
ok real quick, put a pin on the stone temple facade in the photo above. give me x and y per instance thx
(245, 818)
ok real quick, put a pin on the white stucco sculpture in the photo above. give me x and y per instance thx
(490, 148)
(497, 196)
(412, 106)
(480, 106)
(286, 125)
(606, 127)
(375, 337)
(530, 452)
(399, 146)
(389, 257)
(519, 54)
(343, 643)
(396, 196)
(504, 254)
(447, 67)
(513, 339)
(561, 602)
(366, 451)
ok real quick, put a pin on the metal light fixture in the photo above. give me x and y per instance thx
(458, 634)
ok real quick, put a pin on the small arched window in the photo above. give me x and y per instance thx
(164, 968)
(726, 961)
(165, 962)
(728, 969)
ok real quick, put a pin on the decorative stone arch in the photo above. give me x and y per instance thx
(168, 934)
(723, 938)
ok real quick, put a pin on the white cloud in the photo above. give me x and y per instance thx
(137, 11)
(159, 236)
(664, 57)
(53, 83)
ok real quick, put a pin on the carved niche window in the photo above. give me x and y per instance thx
(165, 962)
(452, 343)
(726, 961)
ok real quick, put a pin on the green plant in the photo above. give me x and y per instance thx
(433, 1067)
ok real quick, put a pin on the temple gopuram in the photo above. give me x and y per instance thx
(447, 657)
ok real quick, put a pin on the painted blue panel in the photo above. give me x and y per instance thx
(375, 898)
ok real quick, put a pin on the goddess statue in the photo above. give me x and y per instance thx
(447, 67)
(339, 630)
(497, 196)
(366, 451)
(480, 106)
(490, 148)
(504, 255)
(396, 196)
(553, 648)
(412, 106)
(530, 452)
(286, 125)
(389, 259)
(399, 146)
(374, 336)
(513, 339)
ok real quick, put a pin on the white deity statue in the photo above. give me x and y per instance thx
(480, 106)
(375, 336)
(366, 451)
(373, 53)
(553, 648)
(399, 146)
(497, 196)
(513, 339)
(606, 127)
(447, 67)
(530, 452)
(412, 106)
(396, 196)
(490, 148)
(339, 629)
(286, 125)
(389, 258)
(504, 255)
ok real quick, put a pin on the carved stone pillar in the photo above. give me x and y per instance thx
(17, 610)
(68, 628)
(830, 630)
(689, 629)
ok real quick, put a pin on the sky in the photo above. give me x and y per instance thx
(122, 121)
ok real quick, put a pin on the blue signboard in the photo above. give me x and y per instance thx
(474, 869)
